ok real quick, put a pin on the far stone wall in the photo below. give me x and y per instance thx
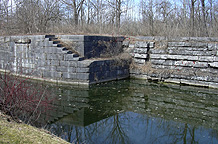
(192, 61)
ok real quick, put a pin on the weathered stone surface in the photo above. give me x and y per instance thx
(170, 80)
(214, 64)
(140, 50)
(199, 44)
(126, 43)
(193, 53)
(158, 62)
(179, 44)
(142, 56)
(206, 58)
(139, 61)
(158, 56)
(189, 48)
(151, 44)
(62, 69)
(82, 70)
(69, 75)
(191, 64)
(182, 57)
(54, 57)
(70, 57)
(157, 51)
(141, 44)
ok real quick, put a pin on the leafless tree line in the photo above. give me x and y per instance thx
(123, 17)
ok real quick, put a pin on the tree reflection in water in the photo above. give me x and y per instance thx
(137, 112)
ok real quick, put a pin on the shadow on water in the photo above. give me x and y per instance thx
(133, 111)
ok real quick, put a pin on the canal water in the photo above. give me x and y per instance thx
(133, 111)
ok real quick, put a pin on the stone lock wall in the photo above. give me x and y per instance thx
(45, 57)
(93, 46)
(192, 61)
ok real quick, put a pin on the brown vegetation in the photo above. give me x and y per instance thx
(123, 17)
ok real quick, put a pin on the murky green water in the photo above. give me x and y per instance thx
(135, 112)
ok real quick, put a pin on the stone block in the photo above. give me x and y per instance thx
(140, 44)
(213, 85)
(69, 75)
(46, 42)
(82, 76)
(193, 82)
(199, 44)
(54, 62)
(192, 48)
(66, 75)
(171, 80)
(54, 57)
(126, 43)
(182, 57)
(72, 69)
(95, 69)
(212, 46)
(62, 69)
(70, 57)
(206, 58)
(74, 38)
(140, 50)
(191, 64)
(156, 61)
(215, 58)
(158, 56)
(41, 63)
(82, 70)
(59, 50)
(52, 74)
(157, 51)
(65, 63)
(85, 63)
(139, 61)
(151, 44)
(214, 64)
(50, 68)
(174, 48)
(142, 56)
(179, 44)
(131, 45)
(52, 50)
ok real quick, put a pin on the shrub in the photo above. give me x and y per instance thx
(21, 99)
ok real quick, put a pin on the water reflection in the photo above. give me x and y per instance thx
(134, 111)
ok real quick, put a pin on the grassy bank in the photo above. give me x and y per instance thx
(13, 133)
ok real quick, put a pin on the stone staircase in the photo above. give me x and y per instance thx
(59, 44)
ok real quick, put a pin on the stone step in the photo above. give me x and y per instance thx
(49, 36)
(56, 42)
(69, 52)
(53, 39)
(59, 45)
(65, 49)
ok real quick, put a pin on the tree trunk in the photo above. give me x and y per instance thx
(205, 32)
(192, 17)
(118, 13)
(75, 14)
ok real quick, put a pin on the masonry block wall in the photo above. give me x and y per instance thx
(93, 46)
(192, 61)
(43, 57)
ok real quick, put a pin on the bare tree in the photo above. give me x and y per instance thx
(192, 16)
(204, 31)
(148, 14)
(77, 6)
